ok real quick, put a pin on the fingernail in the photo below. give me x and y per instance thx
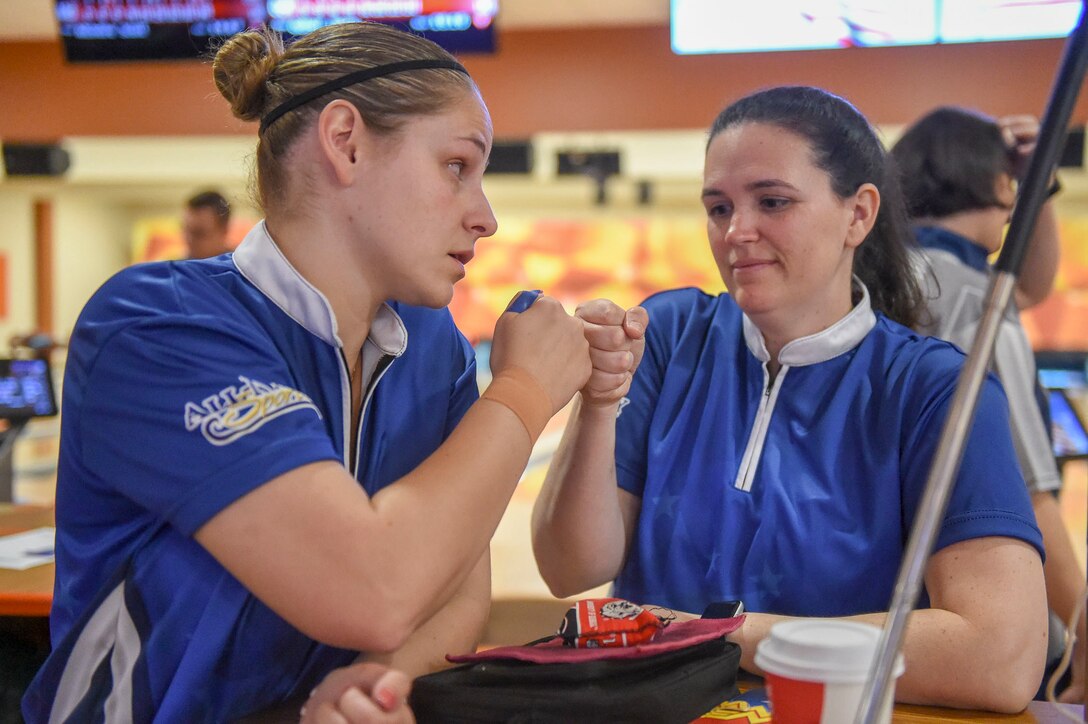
(386, 699)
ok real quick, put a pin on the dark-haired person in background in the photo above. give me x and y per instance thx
(204, 225)
(276, 459)
(775, 441)
(958, 172)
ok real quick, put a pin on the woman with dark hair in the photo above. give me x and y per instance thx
(959, 171)
(774, 443)
(276, 459)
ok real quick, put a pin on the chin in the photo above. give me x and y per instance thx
(752, 304)
(432, 299)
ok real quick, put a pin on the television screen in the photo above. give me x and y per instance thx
(93, 30)
(1065, 377)
(459, 26)
(969, 21)
(712, 26)
(1070, 436)
(103, 30)
(26, 389)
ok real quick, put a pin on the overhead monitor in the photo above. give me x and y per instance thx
(713, 26)
(118, 30)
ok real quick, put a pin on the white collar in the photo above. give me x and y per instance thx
(840, 337)
(262, 263)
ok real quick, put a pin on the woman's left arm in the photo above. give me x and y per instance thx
(456, 628)
(981, 645)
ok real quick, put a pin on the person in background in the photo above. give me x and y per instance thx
(204, 225)
(276, 459)
(773, 443)
(959, 170)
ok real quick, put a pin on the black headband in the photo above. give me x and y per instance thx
(356, 77)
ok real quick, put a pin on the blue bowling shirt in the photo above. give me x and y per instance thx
(188, 385)
(796, 497)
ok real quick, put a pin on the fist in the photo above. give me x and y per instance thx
(360, 694)
(1020, 134)
(616, 340)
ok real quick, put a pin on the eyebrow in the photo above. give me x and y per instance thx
(477, 141)
(769, 183)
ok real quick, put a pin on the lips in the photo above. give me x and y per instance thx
(463, 257)
(751, 264)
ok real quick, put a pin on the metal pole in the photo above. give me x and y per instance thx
(961, 414)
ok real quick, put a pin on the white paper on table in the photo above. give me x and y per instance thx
(20, 551)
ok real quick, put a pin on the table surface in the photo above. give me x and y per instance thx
(1041, 712)
(753, 711)
(29, 592)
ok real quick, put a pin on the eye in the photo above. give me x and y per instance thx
(458, 168)
(774, 203)
(717, 210)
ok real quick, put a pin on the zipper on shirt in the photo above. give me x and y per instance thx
(345, 395)
(384, 363)
(754, 450)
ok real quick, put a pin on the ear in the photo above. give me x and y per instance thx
(1005, 190)
(863, 207)
(340, 135)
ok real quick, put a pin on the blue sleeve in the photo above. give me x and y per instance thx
(185, 416)
(637, 409)
(989, 497)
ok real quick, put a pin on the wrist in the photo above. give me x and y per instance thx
(516, 389)
(594, 409)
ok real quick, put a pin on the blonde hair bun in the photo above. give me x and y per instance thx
(241, 69)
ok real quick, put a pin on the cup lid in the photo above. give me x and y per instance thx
(828, 650)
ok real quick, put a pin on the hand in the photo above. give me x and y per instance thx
(546, 342)
(616, 343)
(1020, 134)
(360, 694)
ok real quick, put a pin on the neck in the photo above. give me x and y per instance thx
(353, 299)
(781, 329)
(980, 226)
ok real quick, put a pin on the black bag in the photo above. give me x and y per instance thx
(676, 686)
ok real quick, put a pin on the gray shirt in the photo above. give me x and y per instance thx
(956, 297)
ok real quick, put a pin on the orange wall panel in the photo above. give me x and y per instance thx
(550, 80)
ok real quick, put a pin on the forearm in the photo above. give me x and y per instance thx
(579, 537)
(456, 628)
(1036, 277)
(949, 661)
(439, 518)
(1064, 578)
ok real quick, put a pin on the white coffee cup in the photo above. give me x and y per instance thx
(816, 670)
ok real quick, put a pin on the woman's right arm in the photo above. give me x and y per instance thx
(362, 572)
(582, 521)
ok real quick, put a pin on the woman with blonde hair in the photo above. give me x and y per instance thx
(274, 460)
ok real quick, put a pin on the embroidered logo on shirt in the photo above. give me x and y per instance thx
(237, 411)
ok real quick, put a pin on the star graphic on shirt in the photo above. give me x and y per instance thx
(666, 505)
(769, 582)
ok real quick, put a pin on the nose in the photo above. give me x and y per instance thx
(481, 221)
(741, 227)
